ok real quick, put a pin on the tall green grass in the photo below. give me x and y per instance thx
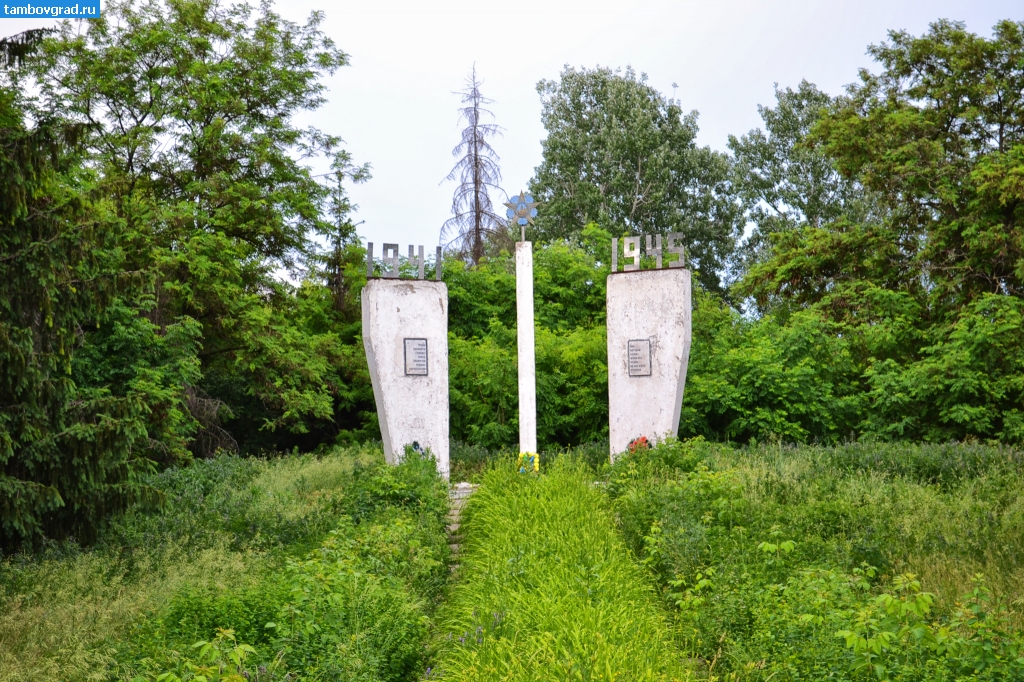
(767, 553)
(945, 512)
(547, 590)
(329, 565)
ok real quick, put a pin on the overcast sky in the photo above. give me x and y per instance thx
(395, 108)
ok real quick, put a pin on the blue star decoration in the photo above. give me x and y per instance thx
(522, 209)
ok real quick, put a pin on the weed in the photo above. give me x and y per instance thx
(246, 547)
(802, 562)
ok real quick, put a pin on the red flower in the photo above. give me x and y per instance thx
(639, 444)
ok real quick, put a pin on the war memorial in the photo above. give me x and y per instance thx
(405, 327)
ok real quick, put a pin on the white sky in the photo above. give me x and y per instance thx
(395, 108)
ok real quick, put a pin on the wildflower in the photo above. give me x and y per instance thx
(640, 443)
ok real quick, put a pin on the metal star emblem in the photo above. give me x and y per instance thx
(522, 209)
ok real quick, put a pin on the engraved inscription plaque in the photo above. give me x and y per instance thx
(638, 353)
(416, 357)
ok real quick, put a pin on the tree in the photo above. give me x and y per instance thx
(343, 252)
(620, 154)
(67, 456)
(199, 164)
(787, 181)
(929, 291)
(473, 217)
(939, 135)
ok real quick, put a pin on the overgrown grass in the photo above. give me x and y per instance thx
(768, 553)
(548, 590)
(944, 512)
(261, 548)
(471, 462)
(332, 567)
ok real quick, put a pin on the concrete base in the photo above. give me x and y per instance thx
(405, 334)
(649, 332)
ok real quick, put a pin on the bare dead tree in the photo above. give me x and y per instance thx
(210, 413)
(473, 216)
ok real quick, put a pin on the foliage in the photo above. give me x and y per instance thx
(572, 394)
(198, 167)
(794, 379)
(342, 621)
(547, 590)
(68, 456)
(70, 612)
(784, 179)
(852, 336)
(354, 608)
(249, 546)
(763, 379)
(483, 394)
(812, 563)
(939, 134)
(619, 154)
(130, 356)
(926, 291)
(217, 662)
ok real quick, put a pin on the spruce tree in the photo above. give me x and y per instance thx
(473, 217)
(66, 456)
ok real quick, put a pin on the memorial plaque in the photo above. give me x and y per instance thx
(638, 353)
(416, 357)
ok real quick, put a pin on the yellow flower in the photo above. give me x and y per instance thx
(529, 461)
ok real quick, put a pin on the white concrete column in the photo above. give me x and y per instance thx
(527, 350)
(405, 334)
(649, 332)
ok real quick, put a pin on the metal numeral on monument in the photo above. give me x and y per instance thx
(631, 250)
(392, 263)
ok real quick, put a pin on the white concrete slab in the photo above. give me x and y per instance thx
(405, 334)
(527, 348)
(649, 333)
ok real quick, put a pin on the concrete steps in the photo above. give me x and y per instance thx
(458, 495)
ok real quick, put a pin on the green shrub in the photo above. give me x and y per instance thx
(223, 553)
(355, 608)
(846, 563)
(468, 461)
(221, 660)
(196, 613)
(342, 622)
